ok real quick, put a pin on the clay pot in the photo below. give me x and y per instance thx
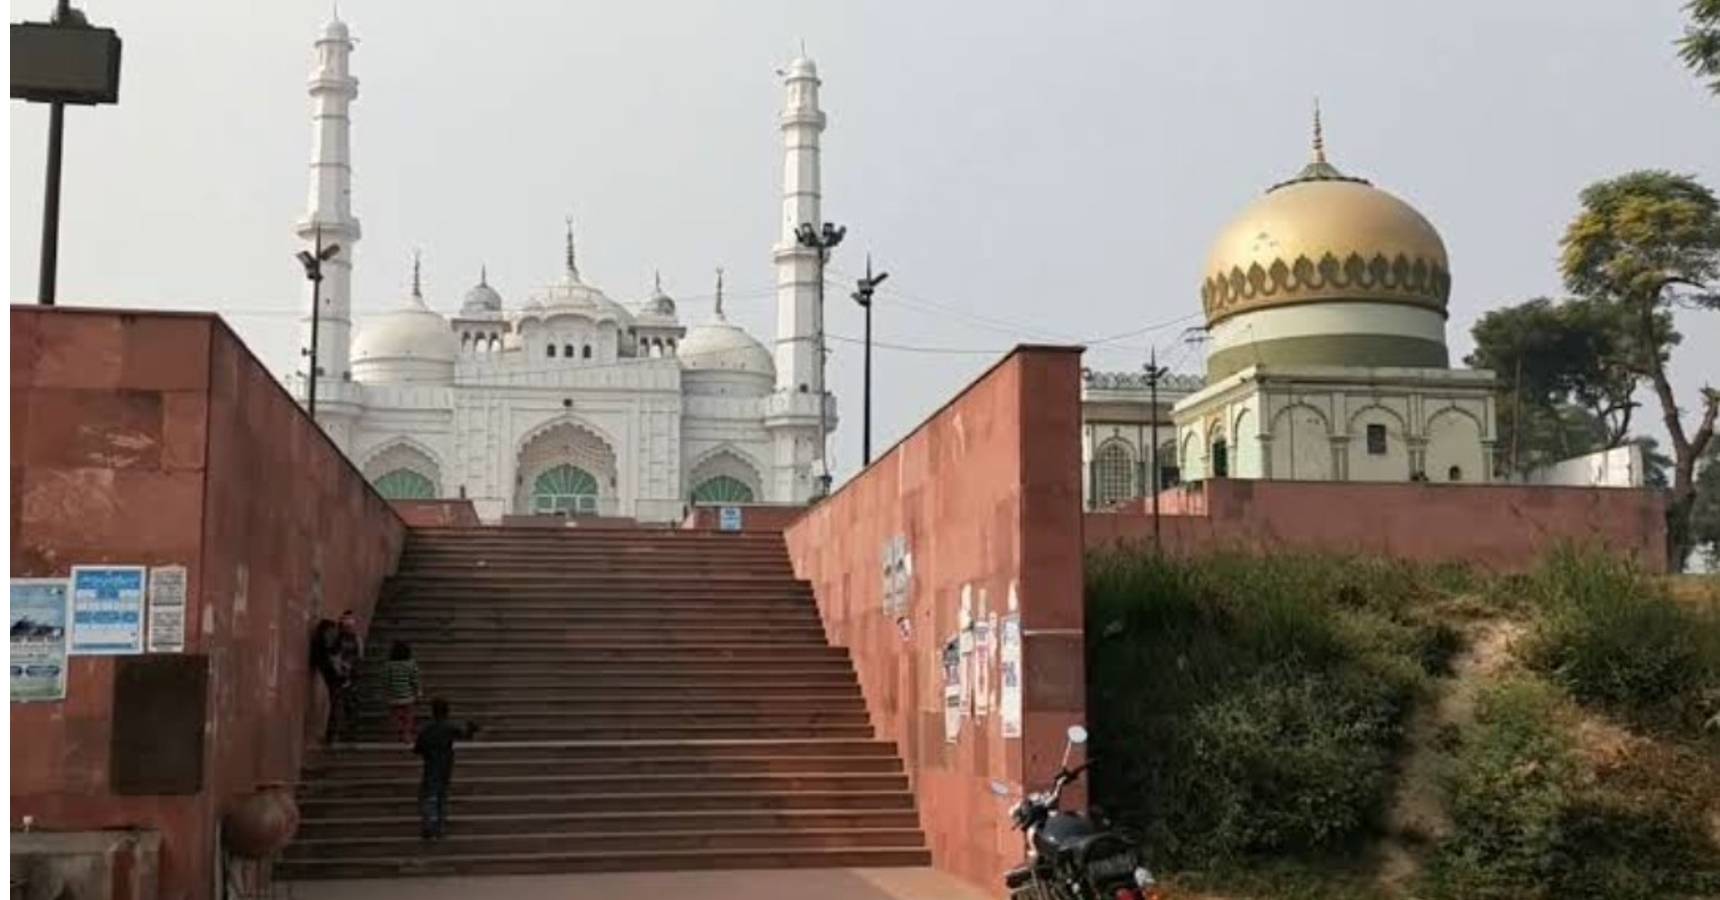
(261, 824)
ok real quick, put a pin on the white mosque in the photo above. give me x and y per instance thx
(567, 402)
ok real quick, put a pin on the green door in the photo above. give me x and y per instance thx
(565, 490)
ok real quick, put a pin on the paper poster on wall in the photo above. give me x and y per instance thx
(107, 609)
(952, 663)
(1009, 675)
(38, 639)
(898, 571)
(729, 518)
(167, 585)
(982, 639)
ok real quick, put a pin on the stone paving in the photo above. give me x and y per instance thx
(825, 884)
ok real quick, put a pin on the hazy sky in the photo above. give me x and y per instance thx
(1026, 172)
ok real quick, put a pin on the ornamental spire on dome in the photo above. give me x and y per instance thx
(656, 282)
(484, 274)
(720, 316)
(1319, 135)
(417, 289)
(572, 266)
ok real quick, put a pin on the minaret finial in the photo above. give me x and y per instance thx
(656, 281)
(417, 259)
(720, 316)
(1319, 134)
(483, 274)
(572, 267)
(803, 48)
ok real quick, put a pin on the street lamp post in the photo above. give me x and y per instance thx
(863, 296)
(823, 241)
(312, 260)
(1155, 372)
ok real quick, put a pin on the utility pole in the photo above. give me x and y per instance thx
(822, 241)
(863, 296)
(312, 261)
(1155, 372)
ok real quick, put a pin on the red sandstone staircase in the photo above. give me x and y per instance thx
(649, 700)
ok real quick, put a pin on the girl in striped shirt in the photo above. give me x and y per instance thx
(401, 688)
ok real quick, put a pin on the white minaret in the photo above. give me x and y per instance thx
(332, 90)
(794, 408)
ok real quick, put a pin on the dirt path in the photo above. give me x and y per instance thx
(1417, 816)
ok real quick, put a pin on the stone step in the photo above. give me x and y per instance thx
(462, 802)
(338, 767)
(485, 785)
(662, 671)
(581, 729)
(410, 846)
(630, 576)
(602, 861)
(621, 821)
(492, 707)
(600, 595)
(520, 637)
(503, 652)
(599, 750)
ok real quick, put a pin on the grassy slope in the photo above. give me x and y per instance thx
(1288, 726)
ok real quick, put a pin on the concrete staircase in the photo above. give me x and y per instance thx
(649, 700)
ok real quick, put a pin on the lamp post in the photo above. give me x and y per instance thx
(312, 260)
(65, 60)
(823, 241)
(1155, 372)
(863, 296)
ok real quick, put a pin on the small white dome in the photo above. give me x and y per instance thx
(481, 298)
(723, 347)
(412, 338)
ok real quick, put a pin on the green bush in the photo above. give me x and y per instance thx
(1244, 707)
(1612, 636)
(1530, 821)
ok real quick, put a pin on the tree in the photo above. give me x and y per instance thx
(1647, 242)
(1566, 379)
(1700, 45)
(1705, 510)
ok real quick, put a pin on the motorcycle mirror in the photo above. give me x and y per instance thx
(1077, 735)
(1000, 789)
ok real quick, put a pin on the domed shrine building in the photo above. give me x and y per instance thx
(1325, 305)
(565, 401)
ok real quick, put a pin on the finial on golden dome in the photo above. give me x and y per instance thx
(1319, 135)
(417, 260)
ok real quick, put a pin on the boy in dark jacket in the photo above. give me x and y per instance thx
(436, 744)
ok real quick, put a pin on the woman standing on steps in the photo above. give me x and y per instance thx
(403, 690)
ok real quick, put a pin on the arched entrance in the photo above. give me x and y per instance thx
(723, 489)
(565, 490)
(566, 469)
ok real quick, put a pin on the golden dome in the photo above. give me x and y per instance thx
(1324, 236)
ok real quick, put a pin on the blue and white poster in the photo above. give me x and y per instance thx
(38, 639)
(107, 609)
(729, 518)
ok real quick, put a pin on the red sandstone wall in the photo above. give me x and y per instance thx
(1499, 526)
(157, 438)
(437, 513)
(988, 494)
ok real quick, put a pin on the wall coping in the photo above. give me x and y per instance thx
(1017, 350)
(221, 324)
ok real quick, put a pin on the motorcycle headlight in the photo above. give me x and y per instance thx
(1143, 878)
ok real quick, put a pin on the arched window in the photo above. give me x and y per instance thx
(723, 489)
(564, 490)
(1220, 459)
(1113, 473)
(550, 351)
(586, 352)
(567, 351)
(405, 484)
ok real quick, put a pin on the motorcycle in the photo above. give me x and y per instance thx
(1072, 856)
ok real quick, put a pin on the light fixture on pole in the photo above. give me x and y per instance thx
(313, 261)
(863, 296)
(823, 241)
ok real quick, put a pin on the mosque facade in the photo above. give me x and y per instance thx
(567, 402)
